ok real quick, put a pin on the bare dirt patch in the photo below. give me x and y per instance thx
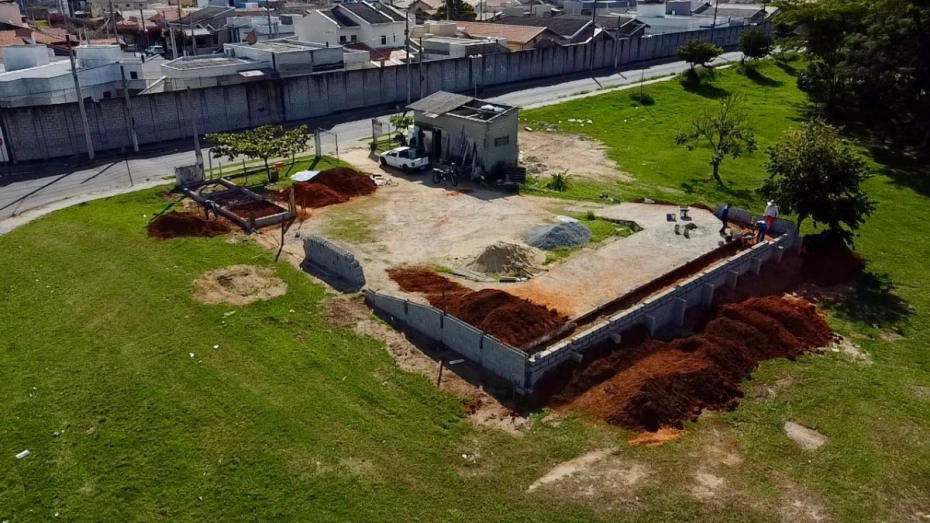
(546, 153)
(600, 475)
(655, 439)
(238, 285)
(849, 349)
(807, 439)
(706, 486)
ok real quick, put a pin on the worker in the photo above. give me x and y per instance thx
(771, 213)
(761, 229)
(724, 217)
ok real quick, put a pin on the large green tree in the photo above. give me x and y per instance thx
(814, 173)
(698, 52)
(726, 129)
(754, 44)
(455, 10)
(263, 143)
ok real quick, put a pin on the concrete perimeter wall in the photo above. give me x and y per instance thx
(477, 346)
(49, 131)
(668, 308)
(334, 260)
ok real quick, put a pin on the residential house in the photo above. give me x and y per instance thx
(10, 13)
(736, 14)
(202, 31)
(375, 24)
(571, 29)
(518, 37)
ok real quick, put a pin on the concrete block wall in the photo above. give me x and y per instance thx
(667, 308)
(333, 259)
(49, 131)
(497, 357)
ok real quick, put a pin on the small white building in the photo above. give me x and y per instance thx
(375, 24)
(32, 77)
(290, 56)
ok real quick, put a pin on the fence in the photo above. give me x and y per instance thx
(49, 131)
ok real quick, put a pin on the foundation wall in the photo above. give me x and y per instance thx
(334, 260)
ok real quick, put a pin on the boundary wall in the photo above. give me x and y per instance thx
(49, 131)
(330, 258)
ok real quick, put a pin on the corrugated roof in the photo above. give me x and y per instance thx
(341, 19)
(366, 12)
(565, 25)
(517, 34)
(440, 103)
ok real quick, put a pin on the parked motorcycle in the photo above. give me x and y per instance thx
(441, 174)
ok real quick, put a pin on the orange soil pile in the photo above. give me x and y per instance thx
(309, 194)
(647, 383)
(510, 319)
(828, 261)
(345, 181)
(175, 224)
(257, 208)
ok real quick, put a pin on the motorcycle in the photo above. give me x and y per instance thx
(442, 174)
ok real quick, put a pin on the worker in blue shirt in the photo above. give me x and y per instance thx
(724, 216)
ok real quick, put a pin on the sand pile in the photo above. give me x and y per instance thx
(646, 383)
(508, 318)
(175, 224)
(570, 233)
(507, 258)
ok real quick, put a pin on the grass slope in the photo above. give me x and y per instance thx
(294, 419)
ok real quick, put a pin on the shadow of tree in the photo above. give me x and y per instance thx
(786, 67)
(873, 301)
(753, 74)
(704, 89)
(901, 166)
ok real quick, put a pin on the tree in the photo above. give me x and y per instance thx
(458, 10)
(295, 141)
(264, 143)
(698, 52)
(813, 173)
(755, 44)
(726, 129)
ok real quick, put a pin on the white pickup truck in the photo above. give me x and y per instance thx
(404, 158)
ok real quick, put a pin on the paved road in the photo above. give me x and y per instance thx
(25, 197)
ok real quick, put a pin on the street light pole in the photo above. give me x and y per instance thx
(407, 47)
(80, 97)
(713, 25)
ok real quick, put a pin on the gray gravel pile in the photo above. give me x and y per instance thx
(565, 234)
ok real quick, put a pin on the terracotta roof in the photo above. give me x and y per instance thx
(42, 38)
(10, 38)
(168, 14)
(512, 33)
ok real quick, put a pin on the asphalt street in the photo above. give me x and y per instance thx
(25, 196)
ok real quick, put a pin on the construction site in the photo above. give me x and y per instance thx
(654, 319)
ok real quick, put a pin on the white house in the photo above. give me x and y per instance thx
(376, 25)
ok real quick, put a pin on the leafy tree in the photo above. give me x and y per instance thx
(458, 10)
(698, 52)
(813, 173)
(726, 129)
(754, 44)
(295, 141)
(264, 143)
(401, 122)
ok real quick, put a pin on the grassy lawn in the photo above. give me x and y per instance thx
(295, 419)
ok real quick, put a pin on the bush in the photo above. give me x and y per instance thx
(589, 216)
(642, 98)
(558, 182)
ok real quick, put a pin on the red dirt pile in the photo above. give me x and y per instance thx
(510, 319)
(307, 194)
(176, 224)
(346, 181)
(828, 261)
(257, 208)
(648, 384)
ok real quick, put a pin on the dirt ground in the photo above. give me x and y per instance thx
(411, 221)
(238, 285)
(545, 154)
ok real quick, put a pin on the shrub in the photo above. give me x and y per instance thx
(558, 182)
(642, 98)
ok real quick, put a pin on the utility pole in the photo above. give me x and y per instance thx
(407, 46)
(193, 36)
(420, 69)
(268, 12)
(448, 11)
(190, 107)
(110, 21)
(80, 97)
(145, 36)
(130, 122)
(593, 32)
(713, 25)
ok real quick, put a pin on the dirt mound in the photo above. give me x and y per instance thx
(647, 383)
(507, 258)
(346, 181)
(257, 208)
(565, 234)
(175, 224)
(238, 285)
(829, 261)
(312, 194)
(508, 318)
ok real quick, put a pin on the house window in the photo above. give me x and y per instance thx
(133, 75)
(354, 38)
(501, 140)
(342, 39)
(383, 40)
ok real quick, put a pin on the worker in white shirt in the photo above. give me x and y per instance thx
(771, 213)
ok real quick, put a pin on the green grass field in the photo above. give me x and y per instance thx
(295, 419)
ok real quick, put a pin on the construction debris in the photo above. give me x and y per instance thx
(568, 233)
